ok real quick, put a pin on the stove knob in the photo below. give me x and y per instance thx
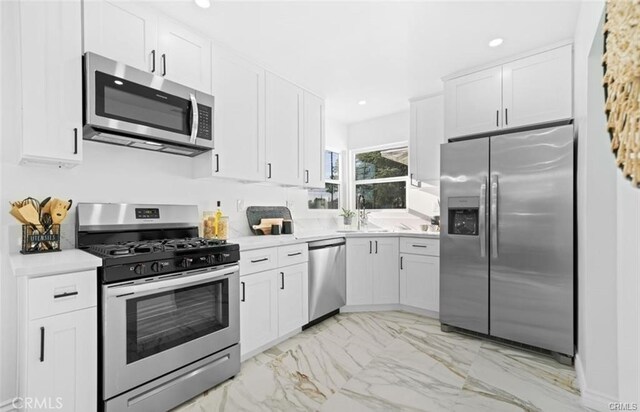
(220, 258)
(211, 259)
(139, 269)
(186, 262)
(155, 266)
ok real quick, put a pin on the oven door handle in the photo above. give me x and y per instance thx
(194, 118)
(173, 283)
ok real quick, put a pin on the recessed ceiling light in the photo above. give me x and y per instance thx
(205, 4)
(362, 102)
(495, 42)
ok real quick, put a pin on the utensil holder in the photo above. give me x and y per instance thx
(37, 239)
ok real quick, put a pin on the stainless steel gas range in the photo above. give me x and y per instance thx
(169, 316)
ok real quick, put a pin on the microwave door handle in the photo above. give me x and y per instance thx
(194, 118)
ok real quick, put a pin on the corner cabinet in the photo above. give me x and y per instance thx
(528, 91)
(372, 271)
(426, 136)
(239, 134)
(51, 70)
(284, 128)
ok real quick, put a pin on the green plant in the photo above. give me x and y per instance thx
(347, 213)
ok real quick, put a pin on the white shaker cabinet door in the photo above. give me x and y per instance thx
(313, 141)
(360, 271)
(239, 135)
(385, 270)
(185, 57)
(258, 310)
(427, 134)
(122, 31)
(285, 154)
(473, 103)
(538, 89)
(62, 361)
(420, 281)
(293, 301)
(51, 66)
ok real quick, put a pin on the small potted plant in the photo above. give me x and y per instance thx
(348, 216)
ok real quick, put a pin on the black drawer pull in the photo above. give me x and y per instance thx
(282, 274)
(41, 343)
(423, 246)
(294, 254)
(242, 300)
(260, 260)
(401, 258)
(65, 295)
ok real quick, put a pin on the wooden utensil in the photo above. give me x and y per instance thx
(30, 214)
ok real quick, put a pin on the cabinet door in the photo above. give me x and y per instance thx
(386, 270)
(239, 142)
(122, 31)
(185, 57)
(359, 271)
(538, 89)
(427, 134)
(62, 360)
(313, 141)
(293, 298)
(420, 281)
(258, 310)
(473, 103)
(51, 35)
(284, 128)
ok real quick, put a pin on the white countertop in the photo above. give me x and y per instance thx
(53, 263)
(259, 242)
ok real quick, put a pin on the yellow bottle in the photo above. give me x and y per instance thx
(216, 222)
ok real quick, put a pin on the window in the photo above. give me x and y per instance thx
(381, 177)
(329, 197)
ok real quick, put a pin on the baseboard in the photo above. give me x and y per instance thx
(419, 311)
(7, 406)
(591, 399)
(370, 308)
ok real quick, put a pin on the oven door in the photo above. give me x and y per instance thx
(127, 101)
(155, 327)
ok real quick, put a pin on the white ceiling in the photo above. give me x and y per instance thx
(383, 52)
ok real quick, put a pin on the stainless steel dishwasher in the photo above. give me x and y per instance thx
(327, 278)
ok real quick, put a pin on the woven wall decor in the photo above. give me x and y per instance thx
(621, 61)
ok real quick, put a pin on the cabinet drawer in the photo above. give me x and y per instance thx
(420, 246)
(293, 254)
(52, 295)
(258, 260)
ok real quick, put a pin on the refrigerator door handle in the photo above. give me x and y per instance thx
(494, 216)
(482, 224)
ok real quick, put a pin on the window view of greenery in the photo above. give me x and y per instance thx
(329, 197)
(381, 177)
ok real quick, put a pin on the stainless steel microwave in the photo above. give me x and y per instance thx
(130, 107)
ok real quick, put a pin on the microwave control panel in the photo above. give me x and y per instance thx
(204, 122)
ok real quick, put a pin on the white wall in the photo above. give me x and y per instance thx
(608, 229)
(383, 130)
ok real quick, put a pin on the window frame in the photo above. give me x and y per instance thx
(338, 182)
(352, 182)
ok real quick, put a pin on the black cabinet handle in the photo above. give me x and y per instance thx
(370, 247)
(65, 295)
(269, 166)
(42, 344)
(294, 254)
(506, 116)
(401, 258)
(259, 260)
(424, 246)
(75, 140)
(376, 247)
(242, 299)
(306, 180)
(282, 275)
(497, 117)
(153, 61)
(217, 163)
(164, 64)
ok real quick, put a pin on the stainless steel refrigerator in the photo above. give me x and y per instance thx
(507, 237)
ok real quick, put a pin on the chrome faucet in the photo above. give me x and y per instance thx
(362, 212)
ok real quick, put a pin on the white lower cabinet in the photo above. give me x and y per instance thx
(273, 303)
(420, 281)
(372, 271)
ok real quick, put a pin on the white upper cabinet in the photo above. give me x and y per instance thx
(137, 36)
(238, 137)
(313, 141)
(185, 57)
(427, 134)
(473, 103)
(51, 69)
(528, 91)
(284, 131)
(538, 89)
(122, 31)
